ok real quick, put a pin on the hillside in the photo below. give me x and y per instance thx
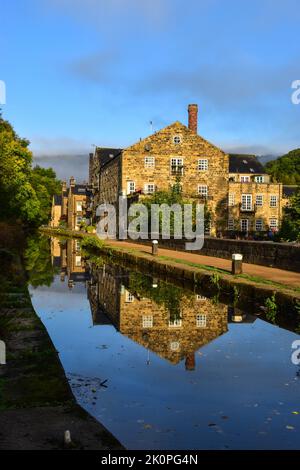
(285, 169)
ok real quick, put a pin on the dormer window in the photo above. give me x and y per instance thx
(177, 139)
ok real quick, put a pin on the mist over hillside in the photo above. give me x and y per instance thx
(66, 165)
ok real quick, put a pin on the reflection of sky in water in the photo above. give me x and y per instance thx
(242, 394)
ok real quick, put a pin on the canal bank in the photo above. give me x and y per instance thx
(36, 402)
(187, 268)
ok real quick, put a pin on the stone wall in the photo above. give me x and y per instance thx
(276, 255)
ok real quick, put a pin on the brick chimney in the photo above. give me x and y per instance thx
(193, 117)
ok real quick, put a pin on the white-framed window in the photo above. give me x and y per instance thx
(176, 166)
(201, 320)
(177, 139)
(200, 297)
(230, 224)
(202, 164)
(202, 190)
(259, 179)
(147, 321)
(130, 187)
(244, 225)
(149, 162)
(231, 199)
(175, 323)
(174, 346)
(245, 179)
(247, 202)
(77, 245)
(129, 298)
(259, 225)
(77, 261)
(273, 200)
(259, 200)
(149, 188)
(273, 224)
(79, 206)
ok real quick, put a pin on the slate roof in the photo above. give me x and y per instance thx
(80, 189)
(288, 191)
(243, 163)
(107, 154)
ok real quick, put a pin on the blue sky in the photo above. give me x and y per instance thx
(83, 72)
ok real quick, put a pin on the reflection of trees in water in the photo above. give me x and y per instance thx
(168, 295)
(37, 257)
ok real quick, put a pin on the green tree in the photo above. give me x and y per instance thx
(25, 193)
(45, 184)
(290, 227)
(285, 169)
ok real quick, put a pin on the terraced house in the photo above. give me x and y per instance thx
(237, 191)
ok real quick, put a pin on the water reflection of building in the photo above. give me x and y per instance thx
(67, 255)
(174, 324)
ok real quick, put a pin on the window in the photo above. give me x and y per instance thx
(259, 200)
(273, 201)
(200, 297)
(246, 202)
(77, 261)
(202, 190)
(176, 166)
(130, 187)
(273, 224)
(174, 346)
(77, 245)
(129, 298)
(79, 206)
(245, 179)
(177, 139)
(149, 162)
(175, 323)
(231, 199)
(244, 225)
(258, 179)
(201, 320)
(78, 220)
(149, 188)
(259, 225)
(147, 321)
(203, 164)
(230, 224)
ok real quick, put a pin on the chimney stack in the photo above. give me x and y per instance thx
(193, 117)
(72, 182)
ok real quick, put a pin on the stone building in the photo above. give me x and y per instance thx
(56, 210)
(156, 163)
(71, 207)
(254, 203)
(239, 194)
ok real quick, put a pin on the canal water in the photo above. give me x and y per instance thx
(162, 367)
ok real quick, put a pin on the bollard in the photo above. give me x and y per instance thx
(154, 247)
(237, 263)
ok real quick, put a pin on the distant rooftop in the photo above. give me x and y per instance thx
(289, 190)
(107, 154)
(244, 163)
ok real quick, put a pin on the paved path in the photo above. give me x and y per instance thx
(289, 278)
